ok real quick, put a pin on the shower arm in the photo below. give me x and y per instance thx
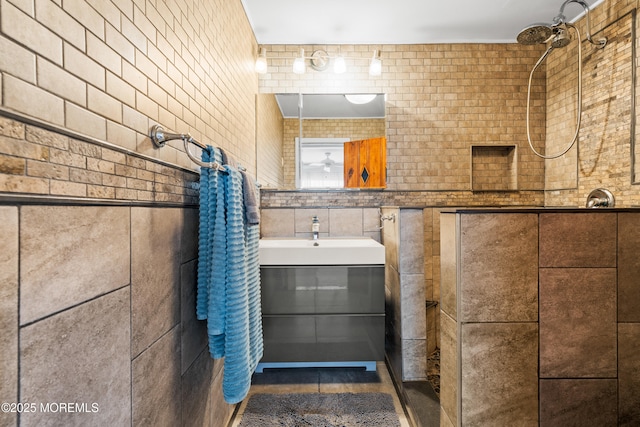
(558, 20)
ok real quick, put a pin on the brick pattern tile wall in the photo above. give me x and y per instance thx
(110, 72)
(269, 137)
(604, 143)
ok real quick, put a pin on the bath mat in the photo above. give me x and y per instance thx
(320, 410)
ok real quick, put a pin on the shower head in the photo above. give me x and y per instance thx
(535, 34)
(562, 37)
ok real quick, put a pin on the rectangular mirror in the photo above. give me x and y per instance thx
(316, 127)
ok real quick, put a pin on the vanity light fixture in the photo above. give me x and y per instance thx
(261, 61)
(299, 66)
(375, 67)
(319, 61)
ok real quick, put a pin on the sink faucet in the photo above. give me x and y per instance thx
(315, 227)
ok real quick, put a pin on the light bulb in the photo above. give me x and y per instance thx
(299, 66)
(375, 68)
(261, 62)
(339, 66)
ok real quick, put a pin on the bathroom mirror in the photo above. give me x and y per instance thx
(325, 122)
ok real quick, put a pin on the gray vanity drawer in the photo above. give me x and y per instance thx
(322, 289)
(323, 338)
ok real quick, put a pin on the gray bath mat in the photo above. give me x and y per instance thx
(320, 410)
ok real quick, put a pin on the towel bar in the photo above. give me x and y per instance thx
(160, 137)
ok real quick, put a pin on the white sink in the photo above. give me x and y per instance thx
(327, 251)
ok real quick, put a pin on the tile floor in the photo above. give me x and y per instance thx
(324, 380)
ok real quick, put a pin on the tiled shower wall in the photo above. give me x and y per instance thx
(602, 156)
(540, 326)
(98, 277)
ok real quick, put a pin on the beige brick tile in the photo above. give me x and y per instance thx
(103, 166)
(47, 170)
(11, 128)
(85, 176)
(33, 101)
(147, 21)
(100, 192)
(85, 122)
(120, 44)
(23, 184)
(25, 30)
(121, 90)
(134, 77)
(109, 13)
(92, 19)
(12, 165)
(114, 181)
(84, 67)
(114, 156)
(66, 188)
(133, 34)
(57, 20)
(64, 157)
(121, 136)
(17, 61)
(104, 105)
(135, 120)
(100, 52)
(62, 83)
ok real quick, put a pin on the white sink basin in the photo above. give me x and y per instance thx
(328, 251)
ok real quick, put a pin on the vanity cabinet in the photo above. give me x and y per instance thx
(322, 315)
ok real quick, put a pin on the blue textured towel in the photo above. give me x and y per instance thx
(229, 279)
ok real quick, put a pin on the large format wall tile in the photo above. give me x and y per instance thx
(80, 355)
(411, 241)
(279, 223)
(628, 267)
(499, 259)
(155, 274)
(193, 331)
(156, 391)
(578, 239)
(448, 264)
(8, 310)
(70, 254)
(578, 323)
(196, 385)
(412, 307)
(449, 368)
(191, 221)
(578, 402)
(500, 381)
(629, 374)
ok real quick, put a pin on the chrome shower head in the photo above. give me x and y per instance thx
(535, 34)
(562, 37)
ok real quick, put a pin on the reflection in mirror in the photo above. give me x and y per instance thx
(321, 162)
(314, 136)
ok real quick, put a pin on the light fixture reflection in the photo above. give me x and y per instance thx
(261, 62)
(375, 67)
(360, 98)
(299, 66)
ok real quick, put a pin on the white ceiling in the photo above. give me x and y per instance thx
(399, 21)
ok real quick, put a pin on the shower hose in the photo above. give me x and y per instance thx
(579, 115)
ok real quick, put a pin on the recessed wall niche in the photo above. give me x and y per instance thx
(494, 168)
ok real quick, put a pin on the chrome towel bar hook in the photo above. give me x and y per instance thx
(160, 138)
